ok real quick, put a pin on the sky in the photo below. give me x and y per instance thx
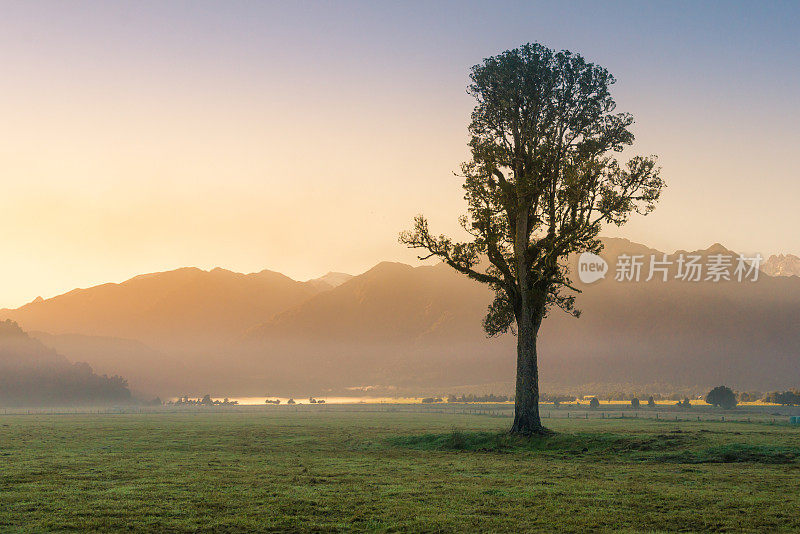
(301, 137)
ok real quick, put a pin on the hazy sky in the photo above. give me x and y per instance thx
(301, 137)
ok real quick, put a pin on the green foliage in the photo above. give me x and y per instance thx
(722, 396)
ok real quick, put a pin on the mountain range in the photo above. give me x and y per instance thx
(408, 328)
(185, 309)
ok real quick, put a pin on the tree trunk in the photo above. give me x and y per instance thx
(529, 308)
(526, 403)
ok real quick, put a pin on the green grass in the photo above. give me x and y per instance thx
(277, 470)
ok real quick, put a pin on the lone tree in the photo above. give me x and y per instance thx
(722, 396)
(541, 182)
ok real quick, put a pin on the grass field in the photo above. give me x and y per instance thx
(278, 470)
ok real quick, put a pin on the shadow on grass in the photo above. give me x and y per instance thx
(662, 448)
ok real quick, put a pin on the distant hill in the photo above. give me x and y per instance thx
(19, 349)
(391, 302)
(393, 325)
(782, 265)
(182, 310)
(33, 374)
(149, 372)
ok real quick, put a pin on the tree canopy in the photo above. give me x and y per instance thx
(722, 396)
(543, 177)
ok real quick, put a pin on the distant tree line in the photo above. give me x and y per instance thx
(630, 396)
(750, 396)
(311, 400)
(491, 397)
(721, 396)
(206, 400)
(787, 398)
(56, 384)
(557, 399)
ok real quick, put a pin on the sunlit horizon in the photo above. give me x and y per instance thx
(146, 137)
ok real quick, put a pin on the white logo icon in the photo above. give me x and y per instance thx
(591, 268)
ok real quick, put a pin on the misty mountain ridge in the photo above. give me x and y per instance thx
(183, 309)
(18, 349)
(33, 374)
(419, 327)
